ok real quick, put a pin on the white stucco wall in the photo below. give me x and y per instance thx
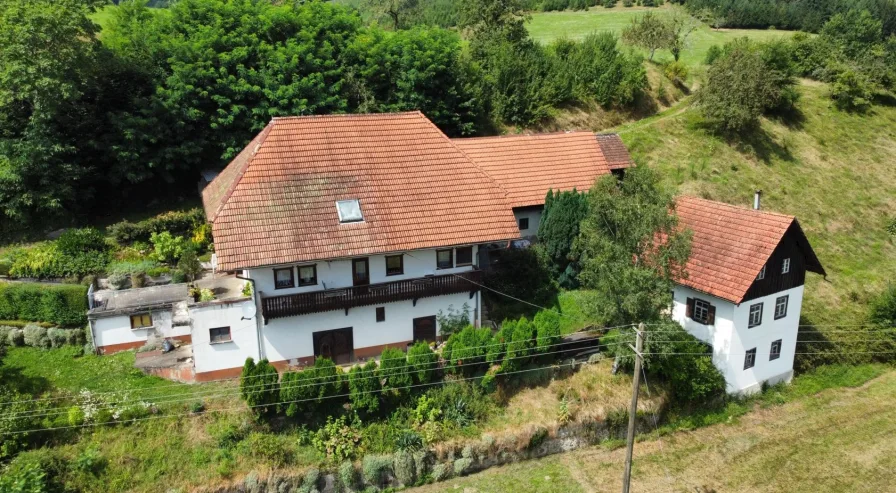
(731, 337)
(338, 273)
(534, 216)
(291, 337)
(208, 356)
(116, 329)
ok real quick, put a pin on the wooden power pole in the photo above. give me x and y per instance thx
(633, 411)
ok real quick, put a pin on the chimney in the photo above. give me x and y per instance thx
(756, 199)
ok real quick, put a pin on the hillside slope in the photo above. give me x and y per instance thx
(833, 170)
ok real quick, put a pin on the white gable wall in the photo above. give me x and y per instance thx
(731, 337)
(208, 356)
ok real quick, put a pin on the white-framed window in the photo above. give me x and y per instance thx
(781, 306)
(750, 359)
(218, 335)
(785, 266)
(701, 311)
(761, 275)
(775, 352)
(755, 315)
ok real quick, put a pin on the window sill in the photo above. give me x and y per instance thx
(144, 328)
(464, 265)
(394, 274)
(283, 287)
(220, 342)
(782, 316)
(307, 284)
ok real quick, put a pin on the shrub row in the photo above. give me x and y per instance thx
(178, 223)
(37, 336)
(61, 304)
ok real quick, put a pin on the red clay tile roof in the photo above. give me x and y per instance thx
(614, 151)
(730, 245)
(527, 166)
(276, 201)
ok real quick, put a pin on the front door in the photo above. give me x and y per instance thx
(360, 272)
(425, 329)
(337, 345)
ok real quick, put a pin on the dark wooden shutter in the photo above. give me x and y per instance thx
(711, 318)
(689, 311)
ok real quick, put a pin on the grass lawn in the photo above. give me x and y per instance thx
(65, 369)
(838, 440)
(548, 26)
(832, 170)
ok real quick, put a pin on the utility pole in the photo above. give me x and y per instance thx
(633, 411)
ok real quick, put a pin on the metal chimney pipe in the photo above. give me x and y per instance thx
(756, 199)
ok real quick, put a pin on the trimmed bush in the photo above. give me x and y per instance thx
(76, 337)
(376, 469)
(4, 334)
(58, 337)
(36, 336)
(61, 304)
(403, 465)
(347, 475)
(16, 337)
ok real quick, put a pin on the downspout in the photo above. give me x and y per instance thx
(90, 324)
(256, 298)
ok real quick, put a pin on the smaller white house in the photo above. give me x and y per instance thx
(744, 289)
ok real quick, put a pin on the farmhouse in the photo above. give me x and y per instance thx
(527, 166)
(355, 231)
(744, 288)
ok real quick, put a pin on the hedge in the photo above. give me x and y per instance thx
(60, 304)
(178, 223)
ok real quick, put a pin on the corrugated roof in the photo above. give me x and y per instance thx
(527, 166)
(731, 244)
(276, 201)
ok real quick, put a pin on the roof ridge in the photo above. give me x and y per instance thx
(516, 136)
(348, 115)
(739, 207)
(471, 160)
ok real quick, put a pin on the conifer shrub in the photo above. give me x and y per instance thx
(547, 327)
(395, 374)
(259, 386)
(424, 363)
(466, 350)
(364, 386)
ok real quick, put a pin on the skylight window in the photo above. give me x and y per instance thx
(349, 211)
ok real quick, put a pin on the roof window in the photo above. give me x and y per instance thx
(349, 211)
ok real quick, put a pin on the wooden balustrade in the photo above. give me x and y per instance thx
(371, 294)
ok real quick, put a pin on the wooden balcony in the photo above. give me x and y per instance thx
(371, 294)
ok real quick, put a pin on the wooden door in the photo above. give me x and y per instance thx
(425, 329)
(337, 345)
(360, 272)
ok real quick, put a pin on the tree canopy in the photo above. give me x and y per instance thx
(630, 248)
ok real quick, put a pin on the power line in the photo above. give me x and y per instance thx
(323, 381)
(242, 378)
(242, 408)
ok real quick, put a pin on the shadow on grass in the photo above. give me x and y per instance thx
(13, 379)
(759, 143)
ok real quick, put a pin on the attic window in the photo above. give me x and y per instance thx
(349, 211)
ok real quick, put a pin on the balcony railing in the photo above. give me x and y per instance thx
(371, 294)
